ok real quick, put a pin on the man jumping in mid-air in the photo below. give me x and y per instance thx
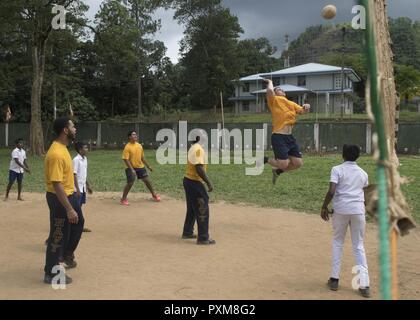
(286, 150)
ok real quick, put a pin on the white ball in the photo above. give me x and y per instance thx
(329, 11)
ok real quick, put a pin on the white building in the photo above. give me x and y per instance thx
(317, 84)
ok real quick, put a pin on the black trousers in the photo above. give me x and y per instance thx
(64, 237)
(197, 209)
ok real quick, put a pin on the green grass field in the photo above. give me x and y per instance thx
(210, 116)
(300, 190)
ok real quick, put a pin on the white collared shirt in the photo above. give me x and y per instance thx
(19, 154)
(349, 197)
(80, 165)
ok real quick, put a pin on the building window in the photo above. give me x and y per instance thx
(301, 81)
(245, 106)
(277, 81)
(338, 81)
(246, 87)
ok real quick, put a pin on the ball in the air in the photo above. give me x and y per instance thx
(329, 11)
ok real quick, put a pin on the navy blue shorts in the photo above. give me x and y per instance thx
(285, 146)
(82, 199)
(141, 173)
(13, 176)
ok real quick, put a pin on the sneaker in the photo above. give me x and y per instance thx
(275, 176)
(124, 202)
(191, 236)
(156, 197)
(69, 263)
(206, 242)
(86, 230)
(365, 292)
(48, 279)
(333, 284)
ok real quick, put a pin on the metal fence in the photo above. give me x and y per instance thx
(314, 137)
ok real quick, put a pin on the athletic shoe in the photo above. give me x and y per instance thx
(365, 292)
(48, 279)
(206, 242)
(333, 284)
(275, 176)
(86, 230)
(191, 236)
(69, 263)
(156, 197)
(124, 202)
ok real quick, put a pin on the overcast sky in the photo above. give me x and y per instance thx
(271, 18)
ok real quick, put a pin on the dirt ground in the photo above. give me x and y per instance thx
(136, 252)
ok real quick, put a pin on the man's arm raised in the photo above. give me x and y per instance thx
(270, 89)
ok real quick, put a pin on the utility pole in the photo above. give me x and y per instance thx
(342, 72)
(55, 98)
(139, 111)
(286, 50)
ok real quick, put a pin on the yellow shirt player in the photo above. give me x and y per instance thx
(196, 195)
(133, 157)
(66, 217)
(196, 156)
(283, 112)
(59, 168)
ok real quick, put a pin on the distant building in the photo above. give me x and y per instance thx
(313, 83)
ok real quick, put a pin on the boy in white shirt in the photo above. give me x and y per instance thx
(347, 185)
(80, 165)
(18, 165)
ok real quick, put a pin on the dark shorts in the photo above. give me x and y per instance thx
(82, 199)
(285, 146)
(13, 176)
(140, 172)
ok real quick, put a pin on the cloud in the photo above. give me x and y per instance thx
(272, 19)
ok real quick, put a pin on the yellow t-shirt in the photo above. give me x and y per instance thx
(59, 168)
(133, 152)
(196, 156)
(283, 112)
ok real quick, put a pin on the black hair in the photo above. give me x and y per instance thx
(79, 146)
(18, 140)
(351, 152)
(130, 133)
(60, 124)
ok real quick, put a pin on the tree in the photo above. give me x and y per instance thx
(256, 56)
(30, 21)
(209, 50)
(125, 51)
(404, 42)
(408, 81)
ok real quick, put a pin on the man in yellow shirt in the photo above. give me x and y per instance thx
(66, 218)
(286, 150)
(196, 195)
(133, 157)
